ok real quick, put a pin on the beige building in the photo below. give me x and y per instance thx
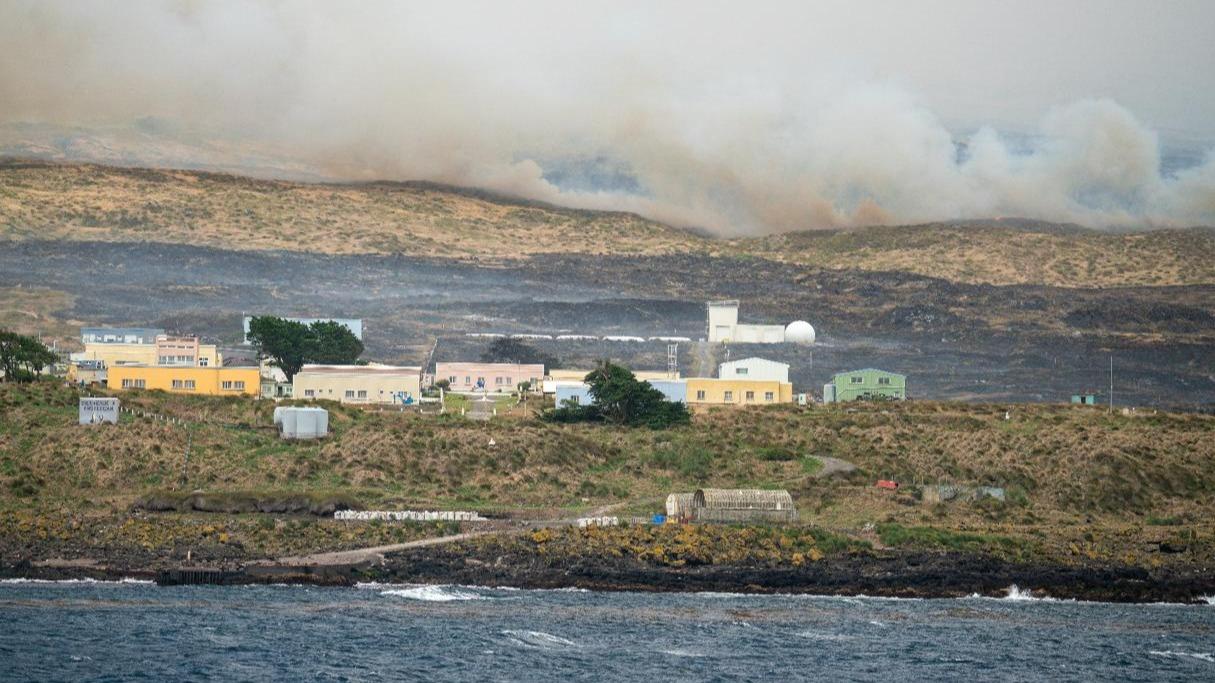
(717, 391)
(164, 351)
(371, 384)
(489, 377)
(560, 378)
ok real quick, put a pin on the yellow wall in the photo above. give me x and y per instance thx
(715, 391)
(207, 381)
(140, 354)
(378, 385)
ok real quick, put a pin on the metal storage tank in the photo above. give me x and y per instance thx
(302, 423)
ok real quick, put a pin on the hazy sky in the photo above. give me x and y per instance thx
(741, 117)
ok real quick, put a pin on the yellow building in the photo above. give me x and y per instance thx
(166, 351)
(385, 384)
(741, 392)
(211, 381)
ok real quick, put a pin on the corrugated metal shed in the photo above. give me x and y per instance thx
(679, 505)
(743, 505)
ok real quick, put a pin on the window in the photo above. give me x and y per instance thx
(700, 395)
(133, 384)
(350, 393)
(750, 395)
(856, 379)
(177, 384)
(768, 396)
(163, 360)
(362, 393)
(467, 379)
(740, 371)
(575, 399)
(202, 362)
(729, 396)
(498, 381)
(239, 385)
(309, 392)
(452, 380)
(226, 384)
(883, 380)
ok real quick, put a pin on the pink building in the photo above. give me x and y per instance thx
(489, 376)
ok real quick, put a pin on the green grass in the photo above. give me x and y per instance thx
(933, 538)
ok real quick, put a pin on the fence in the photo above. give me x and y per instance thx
(408, 516)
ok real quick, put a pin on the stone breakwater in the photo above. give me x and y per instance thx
(408, 516)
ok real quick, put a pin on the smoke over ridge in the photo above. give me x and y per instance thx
(673, 113)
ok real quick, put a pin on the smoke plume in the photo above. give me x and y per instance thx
(772, 120)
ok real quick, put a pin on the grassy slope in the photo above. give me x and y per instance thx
(1081, 482)
(88, 202)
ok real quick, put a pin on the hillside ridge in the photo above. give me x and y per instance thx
(41, 200)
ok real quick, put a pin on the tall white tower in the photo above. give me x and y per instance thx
(723, 319)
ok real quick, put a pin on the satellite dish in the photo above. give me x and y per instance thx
(799, 332)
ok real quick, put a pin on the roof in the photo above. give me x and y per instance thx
(374, 369)
(750, 358)
(743, 499)
(878, 370)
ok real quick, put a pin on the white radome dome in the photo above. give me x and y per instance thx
(799, 332)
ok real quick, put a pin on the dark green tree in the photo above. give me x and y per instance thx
(619, 398)
(289, 344)
(22, 357)
(333, 343)
(284, 342)
(512, 350)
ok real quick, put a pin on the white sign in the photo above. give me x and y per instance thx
(97, 410)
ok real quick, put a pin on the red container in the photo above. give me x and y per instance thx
(887, 484)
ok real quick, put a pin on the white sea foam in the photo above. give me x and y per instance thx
(816, 635)
(1209, 599)
(433, 593)
(683, 653)
(1203, 656)
(85, 581)
(1015, 593)
(538, 639)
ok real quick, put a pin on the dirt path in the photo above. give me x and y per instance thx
(376, 553)
(703, 360)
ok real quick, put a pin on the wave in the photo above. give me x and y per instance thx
(816, 635)
(1204, 656)
(1016, 594)
(1209, 599)
(85, 581)
(538, 640)
(429, 593)
(683, 653)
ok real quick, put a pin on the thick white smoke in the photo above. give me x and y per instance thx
(732, 128)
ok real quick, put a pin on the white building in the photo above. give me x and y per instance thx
(755, 369)
(724, 327)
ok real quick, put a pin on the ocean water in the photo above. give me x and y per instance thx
(89, 631)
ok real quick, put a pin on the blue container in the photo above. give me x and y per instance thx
(659, 519)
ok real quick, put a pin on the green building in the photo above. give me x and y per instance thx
(866, 384)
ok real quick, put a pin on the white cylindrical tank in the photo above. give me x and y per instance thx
(799, 332)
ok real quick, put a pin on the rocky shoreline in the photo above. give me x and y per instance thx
(877, 574)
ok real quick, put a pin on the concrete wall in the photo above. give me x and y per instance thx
(716, 391)
(872, 383)
(213, 381)
(369, 384)
(754, 368)
(491, 377)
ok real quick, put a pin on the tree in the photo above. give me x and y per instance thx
(333, 343)
(290, 344)
(619, 398)
(512, 350)
(23, 357)
(284, 342)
